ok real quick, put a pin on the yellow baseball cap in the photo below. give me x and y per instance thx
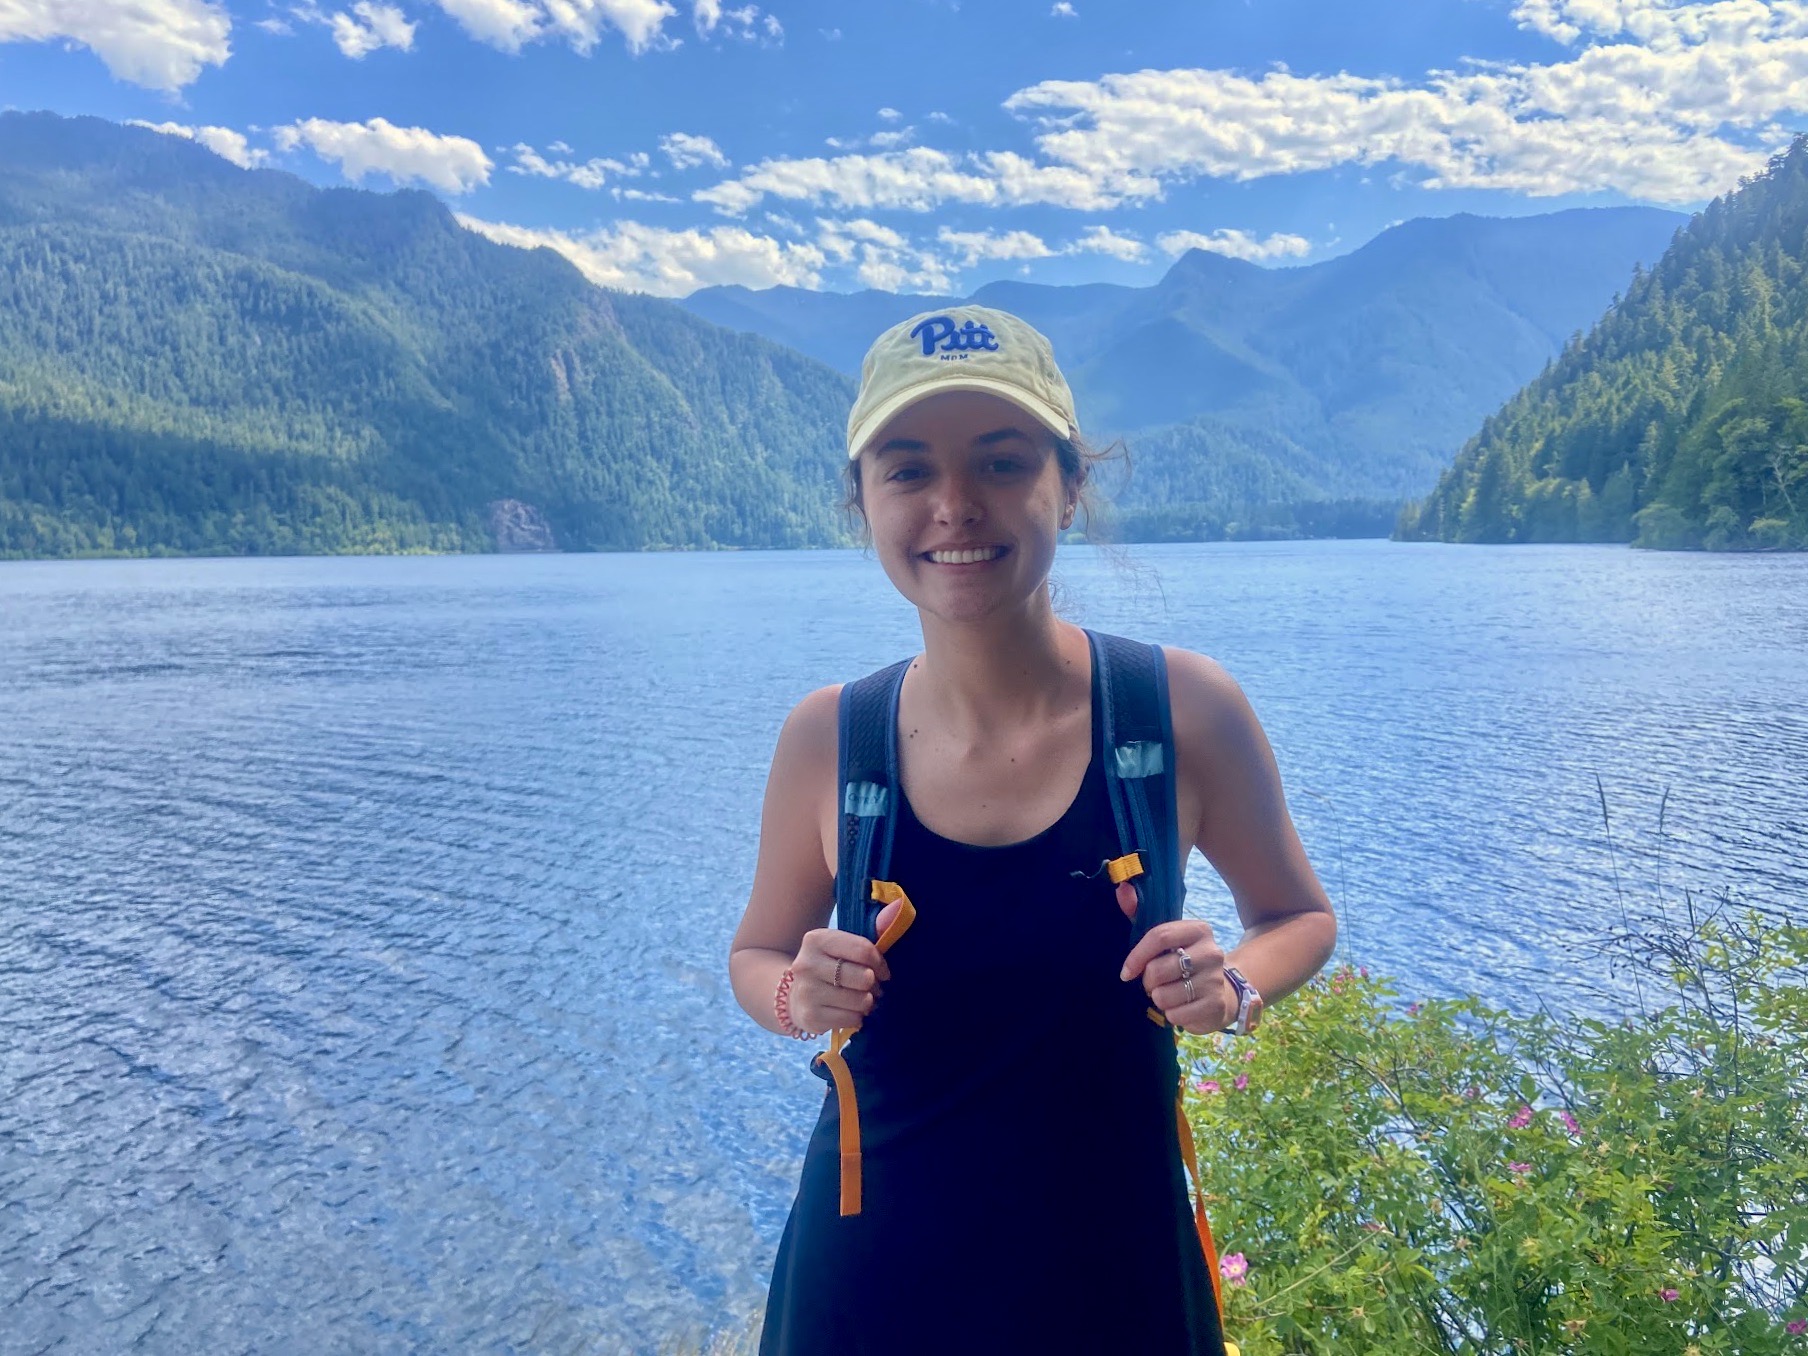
(960, 348)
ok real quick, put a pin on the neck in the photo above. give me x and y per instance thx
(1003, 671)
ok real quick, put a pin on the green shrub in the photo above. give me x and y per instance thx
(1452, 1178)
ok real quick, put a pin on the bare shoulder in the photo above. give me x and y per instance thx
(1207, 703)
(810, 733)
(1220, 749)
(803, 764)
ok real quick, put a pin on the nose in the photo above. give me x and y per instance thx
(955, 500)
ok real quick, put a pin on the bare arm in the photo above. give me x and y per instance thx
(1244, 828)
(794, 890)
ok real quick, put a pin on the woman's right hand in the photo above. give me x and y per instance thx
(816, 1003)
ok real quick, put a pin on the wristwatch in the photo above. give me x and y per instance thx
(1249, 1002)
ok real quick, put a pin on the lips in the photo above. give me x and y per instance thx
(965, 555)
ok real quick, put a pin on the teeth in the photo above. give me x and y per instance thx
(966, 557)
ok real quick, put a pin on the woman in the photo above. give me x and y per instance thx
(1021, 1187)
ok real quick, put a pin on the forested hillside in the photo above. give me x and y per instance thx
(196, 358)
(1681, 419)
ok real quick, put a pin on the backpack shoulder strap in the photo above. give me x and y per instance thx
(866, 791)
(1135, 740)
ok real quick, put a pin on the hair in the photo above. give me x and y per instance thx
(1078, 459)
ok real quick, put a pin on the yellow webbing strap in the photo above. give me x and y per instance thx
(885, 892)
(1120, 869)
(1190, 1156)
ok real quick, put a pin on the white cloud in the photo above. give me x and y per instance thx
(280, 27)
(667, 263)
(972, 246)
(222, 141)
(1237, 244)
(511, 24)
(452, 163)
(1104, 240)
(370, 26)
(921, 178)
(1063, 10)
(1662, 100)
(890, 115)
(592, 173)
(159, 44)
(507, 24)
(686, 151)
(640, 195)
(881, 257)
(898, 136)
(743, 22)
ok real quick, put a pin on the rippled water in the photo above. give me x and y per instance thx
(363, 921)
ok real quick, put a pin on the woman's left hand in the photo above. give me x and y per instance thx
(1212, 1005)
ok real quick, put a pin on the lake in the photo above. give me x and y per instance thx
(363, 921)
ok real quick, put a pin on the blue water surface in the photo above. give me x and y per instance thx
(363, 921)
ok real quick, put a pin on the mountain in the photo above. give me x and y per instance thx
(1681, 419)
(1359, 376)
(196, 358)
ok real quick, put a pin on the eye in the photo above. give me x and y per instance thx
(905, 473)
(1006, 465)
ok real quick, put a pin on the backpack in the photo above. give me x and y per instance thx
(1135, 743)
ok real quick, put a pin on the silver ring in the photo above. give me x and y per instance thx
(1186, 962)
(1188, 981)
(838, 965)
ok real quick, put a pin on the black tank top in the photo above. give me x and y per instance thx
(1022, 1182)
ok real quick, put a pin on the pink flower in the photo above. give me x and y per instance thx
(1412, 1009)
(1234, 1268)
(1796, 1327)
(1472, 1091)
(1667, 1294)
(1521, 1118)
(1570, 1121)
(1242, 1082)
(1208, 1085)
(1519, 1167)
(1365, 972)
(1249, 1053)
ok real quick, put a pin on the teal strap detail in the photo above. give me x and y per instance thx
(1141, 759)
(867, 799)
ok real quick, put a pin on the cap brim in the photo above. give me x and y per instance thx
(883, 413)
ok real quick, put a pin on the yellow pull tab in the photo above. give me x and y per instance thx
(1121, 869)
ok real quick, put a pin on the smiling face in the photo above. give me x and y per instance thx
(964, 495)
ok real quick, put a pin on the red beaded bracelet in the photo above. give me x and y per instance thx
(781, 1006)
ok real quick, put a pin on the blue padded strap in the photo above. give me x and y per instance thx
(867, 792)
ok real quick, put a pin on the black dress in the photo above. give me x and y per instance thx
(1022, 1181)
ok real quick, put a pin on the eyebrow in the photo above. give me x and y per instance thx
(997, 435)
(1000, 435)
(900, 445)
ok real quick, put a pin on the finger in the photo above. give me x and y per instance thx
(1208, 1008)
(1162, 937)
(851, 948)
(1207, 972)
(834, 1011)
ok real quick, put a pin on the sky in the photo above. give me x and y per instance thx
(936, 145)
